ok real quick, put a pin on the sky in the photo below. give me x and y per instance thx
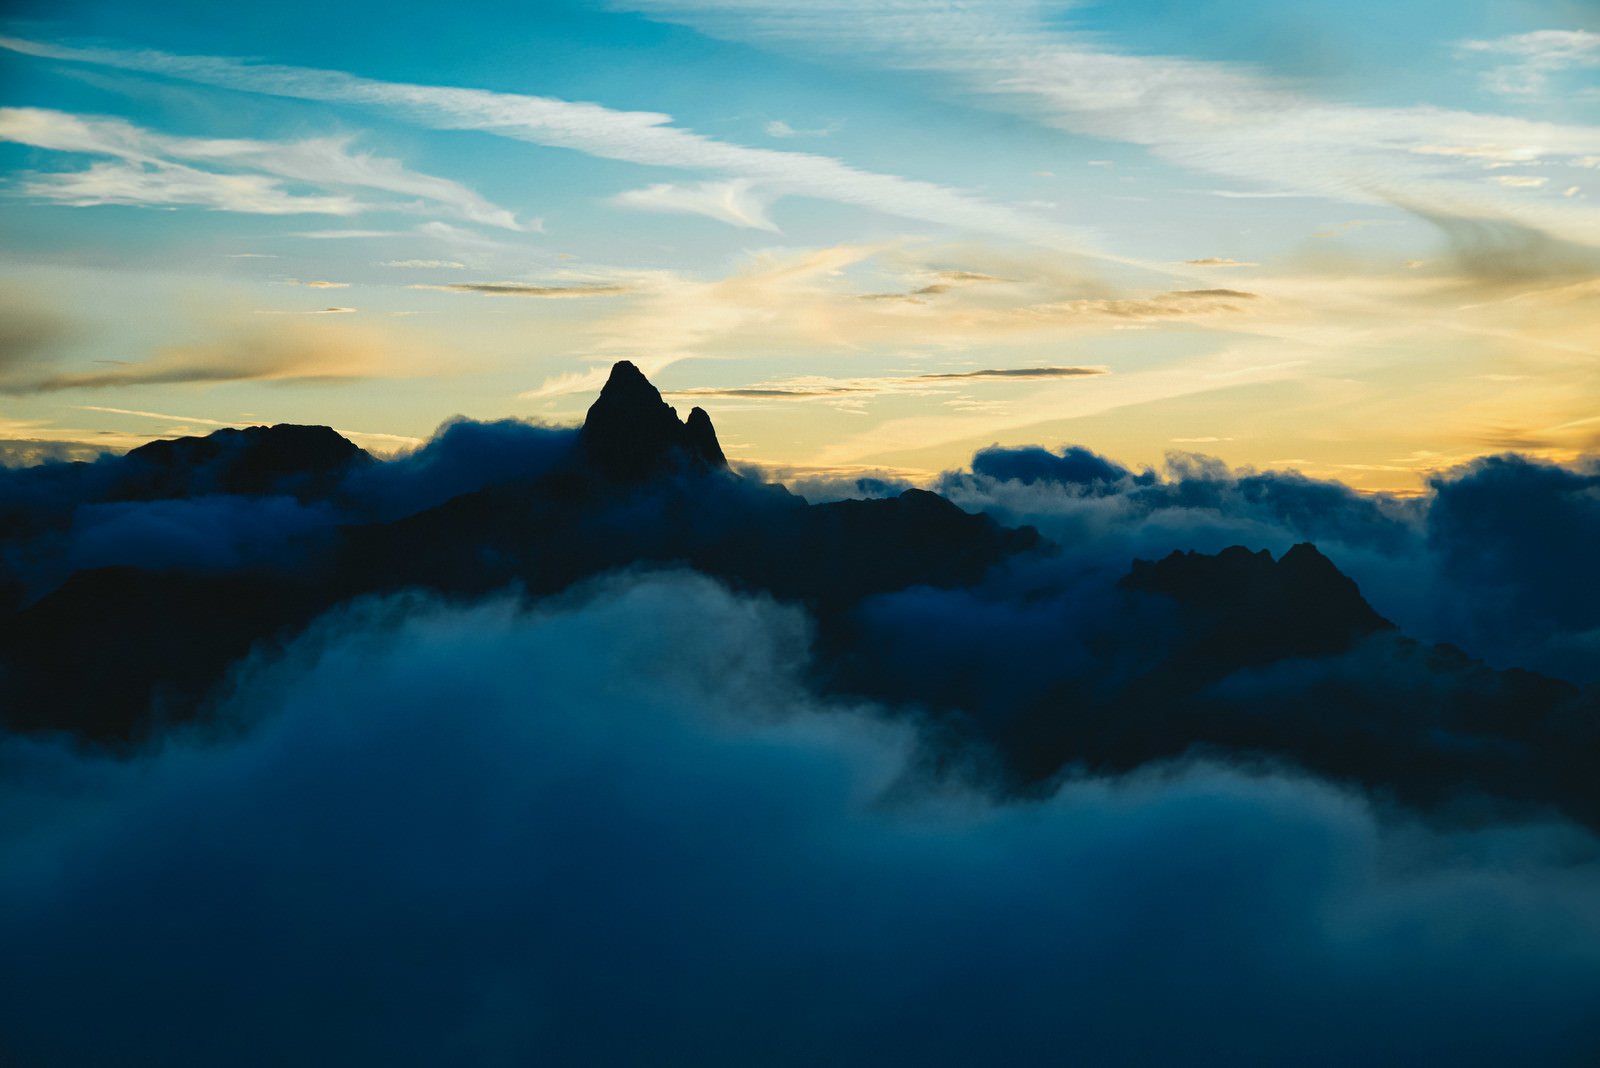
(1359, 240)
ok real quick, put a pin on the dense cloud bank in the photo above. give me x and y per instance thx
(1499, 558)
(238, 499)
(617, 828)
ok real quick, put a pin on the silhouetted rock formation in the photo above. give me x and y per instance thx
(630, 433)
(641, 488)
(1253, 610)
(305, 461)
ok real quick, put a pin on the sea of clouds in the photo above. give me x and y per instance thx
(618, 827)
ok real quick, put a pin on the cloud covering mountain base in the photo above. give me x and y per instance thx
(573, 746)
(617, 828)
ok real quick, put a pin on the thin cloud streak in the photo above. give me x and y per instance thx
(633, 136)
(792, 299)
(306, 346)
(1217, 118)
(1056, 402)
(1026, 373)
(149, 171)
(519, 289)
(851, 390)
(1538, 55)
(399, 439)
(735, 202)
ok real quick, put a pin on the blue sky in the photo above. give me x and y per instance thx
(1355, 239)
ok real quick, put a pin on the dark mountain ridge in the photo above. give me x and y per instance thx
(1234, 652)
(638, 487)
(630, 433)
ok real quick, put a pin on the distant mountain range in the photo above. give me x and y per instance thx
(1277, 659)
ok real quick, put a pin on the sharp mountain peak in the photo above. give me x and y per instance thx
(631, 433)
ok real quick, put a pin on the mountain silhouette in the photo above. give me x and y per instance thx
(305, 461)
(630, 433)
(639, 488)
(1248, 609)
(1237, 652)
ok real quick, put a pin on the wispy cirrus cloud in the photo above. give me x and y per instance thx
(521, 289)
(289, 346)
(1217, 118)
(153, 168)
(1177, 304)
(853, 390)
(944, 281)
(633, 136)
(1534, 57)
(312, 311)
(381, 439)
(174, 184)
(810, 301)
(736, 202)
(1016, 373)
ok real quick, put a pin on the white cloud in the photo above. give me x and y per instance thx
(1519, 181)
(173, 184)
(150, 171)
(328, 161)
(634, 136)
(1218, 118)
(1538, 54)
(1498, 153)
(735, 202)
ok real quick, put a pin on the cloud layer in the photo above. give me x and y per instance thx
(619, 829)
(632, 136)
(1214, 118)
(147, 171)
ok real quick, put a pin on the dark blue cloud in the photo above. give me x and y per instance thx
(1079, 494)
(1524, 530)
(462, 456)
(239, 500)
(1497, 558)
(1072, 465)
(218, 533)
(620, 832)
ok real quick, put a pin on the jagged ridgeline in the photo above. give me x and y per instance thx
(1237, 652)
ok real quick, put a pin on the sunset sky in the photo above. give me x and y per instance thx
(1357, 239)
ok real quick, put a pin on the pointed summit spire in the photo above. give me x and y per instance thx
(702, 438)
(630, 432)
